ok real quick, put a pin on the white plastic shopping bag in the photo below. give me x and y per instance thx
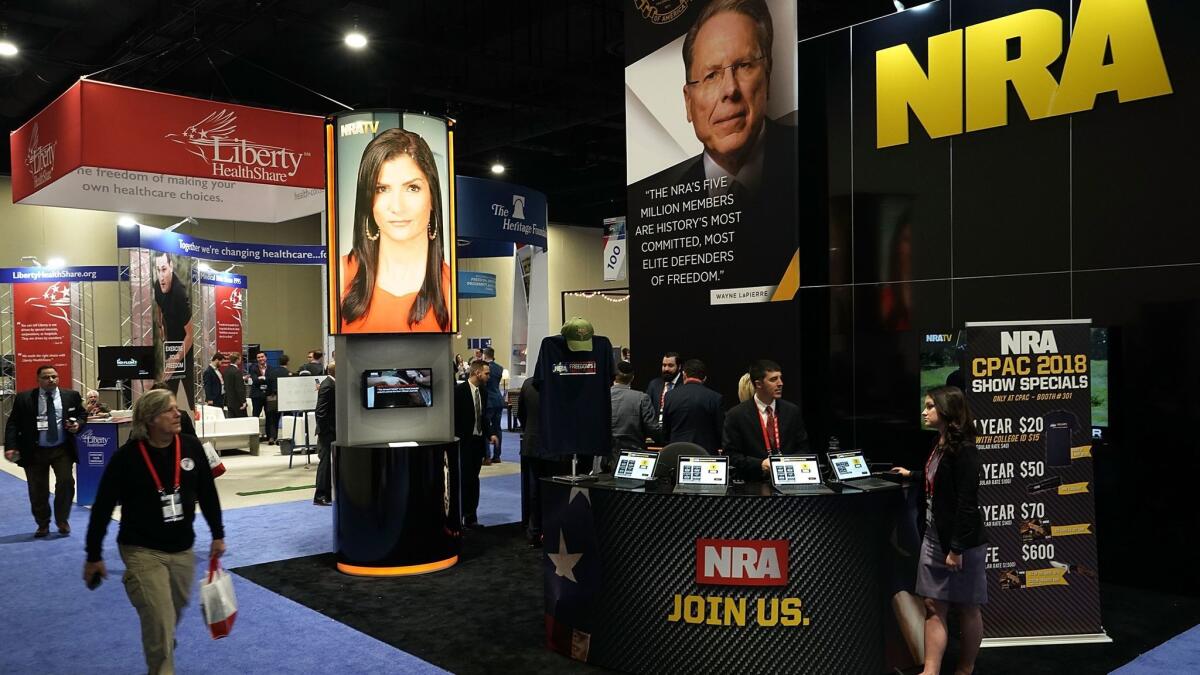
(218, 601)
(214, 459)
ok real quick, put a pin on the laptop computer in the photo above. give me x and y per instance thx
(702, 475)
(633, 469)
(797, 475)
(851, 469)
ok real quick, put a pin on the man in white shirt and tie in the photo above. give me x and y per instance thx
(40, 435)
(474, 430)
(763, 426)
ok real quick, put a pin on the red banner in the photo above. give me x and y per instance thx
(42, 331)
(229, 302)
(107, 147)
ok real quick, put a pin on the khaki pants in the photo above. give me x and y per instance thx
(158, 585)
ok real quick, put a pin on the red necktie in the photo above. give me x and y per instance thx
(772, 429)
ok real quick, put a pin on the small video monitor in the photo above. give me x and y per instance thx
(397, 388)
(125, 363)
(635, 466)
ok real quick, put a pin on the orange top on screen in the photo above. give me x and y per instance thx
(388, 313)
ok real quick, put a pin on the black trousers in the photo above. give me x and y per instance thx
(494, 417)
(273, 416)
(471, 451)
(258, 404)
(532, 470)
(37, 474)
(324, 477)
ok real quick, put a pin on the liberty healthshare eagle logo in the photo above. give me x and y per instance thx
(213, 140)
(39, 159)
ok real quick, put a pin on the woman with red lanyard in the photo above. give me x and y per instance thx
(157, 477)
(951, 566)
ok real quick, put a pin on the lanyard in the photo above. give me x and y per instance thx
(662, 397)
(766, 438)
(154, 474)
(937, 453)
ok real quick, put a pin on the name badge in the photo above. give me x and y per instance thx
(172, 507)
(43, 424)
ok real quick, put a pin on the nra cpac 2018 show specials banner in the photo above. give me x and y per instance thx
(1029, 387)
(710, 101)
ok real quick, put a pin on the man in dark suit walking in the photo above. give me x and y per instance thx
(273, 375)
(258, 386)
(763, 426)
(40, 435)
(235, 387)
(693, 413)
(326, 414)
(495, 400)
(473, 429)
(213, 394)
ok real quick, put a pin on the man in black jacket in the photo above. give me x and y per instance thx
(473, 429)
(326, 414)
(258, 386)
(42, 429)
(213, 393)
(235, 387)
(659, 387)
(693, 413)
(764, 425)
(273, 375)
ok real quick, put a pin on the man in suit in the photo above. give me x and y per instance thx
(273, 375)
(258, 385)
(633, 418)
(693, 412)
(213, 393)
(495, 400)
(749, 164)
(473, 429)
(314, 365)
(326, 414)
(659, 387)
(42, 429)
(764, 425)
(235, 387)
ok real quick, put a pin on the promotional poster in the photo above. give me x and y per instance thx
(713, 180)
(391, 224)
(1029, 388)
(42, 331)
(174, 331)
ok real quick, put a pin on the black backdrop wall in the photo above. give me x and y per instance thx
(1090, 215)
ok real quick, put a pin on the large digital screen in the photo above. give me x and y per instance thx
(941, 364)
(391, 232)
(125, 363)
(397, 388)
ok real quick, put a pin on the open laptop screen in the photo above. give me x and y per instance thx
(703, 471)
(795, 470)
(849, 465)
(636, 465)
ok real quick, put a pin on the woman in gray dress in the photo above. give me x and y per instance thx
(951, 566)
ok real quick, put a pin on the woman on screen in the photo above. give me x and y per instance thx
(950, 570)
(398, 279)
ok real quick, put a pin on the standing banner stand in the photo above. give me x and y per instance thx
(1028, 385)
(298, 395)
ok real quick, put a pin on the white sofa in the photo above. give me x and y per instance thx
(238, 432)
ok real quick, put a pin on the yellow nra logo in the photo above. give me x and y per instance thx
(976, 59)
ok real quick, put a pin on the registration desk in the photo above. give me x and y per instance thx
(391, 508)
(94, 447)
(752, 581)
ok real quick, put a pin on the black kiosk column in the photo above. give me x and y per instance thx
(395, 471)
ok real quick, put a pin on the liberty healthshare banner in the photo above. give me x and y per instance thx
(1028, 385)
(229, 300)
(712, 179)
(42, 330)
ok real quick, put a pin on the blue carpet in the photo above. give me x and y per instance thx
(1180, 654)
(55, 625)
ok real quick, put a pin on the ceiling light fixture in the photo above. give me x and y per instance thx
(8, 48)
(497, 168)
(32, 259)
(189, 221)
(56, 263)
(356, 40)
(126, 221)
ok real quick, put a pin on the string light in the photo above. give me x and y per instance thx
(606, 296)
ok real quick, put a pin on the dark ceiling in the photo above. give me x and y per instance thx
(535, 84)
